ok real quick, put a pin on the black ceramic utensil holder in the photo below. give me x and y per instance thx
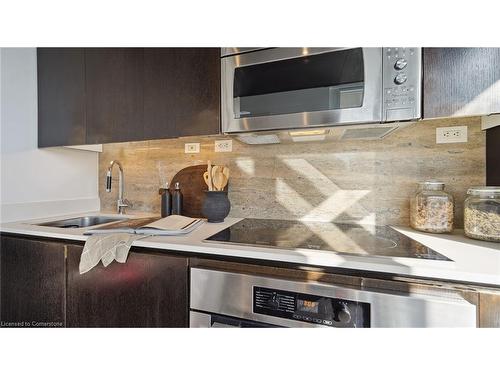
(216, 206)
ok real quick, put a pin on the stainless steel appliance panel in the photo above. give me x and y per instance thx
(402, 83)
(369, 112)
(226, 51)
(231, 294)
(389, 89)
(199, 320)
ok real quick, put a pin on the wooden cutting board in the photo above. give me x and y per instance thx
(192, 187)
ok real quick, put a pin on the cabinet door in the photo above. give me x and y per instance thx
(114, 79)
(61, 96)
(181, 92)
(148, 290)
(461, 81)
(493, 156)
(33, 281)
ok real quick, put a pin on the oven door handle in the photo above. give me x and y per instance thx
(220, 321)
(221, 325)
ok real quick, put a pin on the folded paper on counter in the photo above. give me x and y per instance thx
(172, 225)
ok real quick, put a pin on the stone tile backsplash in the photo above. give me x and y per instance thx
(342, 180)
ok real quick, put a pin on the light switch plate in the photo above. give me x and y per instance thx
(191, 148)
(225, 145)
(452, 134)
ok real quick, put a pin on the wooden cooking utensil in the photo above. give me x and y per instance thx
(225, 174)
(217, 177)
(207, 179)
(209, 173)
(220, 179)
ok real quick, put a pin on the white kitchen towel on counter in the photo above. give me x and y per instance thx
(106, 248)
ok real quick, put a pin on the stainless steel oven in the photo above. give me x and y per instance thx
(297, 88)
(226, 299)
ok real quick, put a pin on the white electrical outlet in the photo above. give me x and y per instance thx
(452, 134)
(191, 148)
(225, 145)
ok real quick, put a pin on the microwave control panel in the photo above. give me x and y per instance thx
(327, 311)
(402, 81)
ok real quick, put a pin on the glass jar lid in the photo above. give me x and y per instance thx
(431, 185)
(484, 191)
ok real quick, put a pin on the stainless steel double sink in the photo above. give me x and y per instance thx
(81, 222)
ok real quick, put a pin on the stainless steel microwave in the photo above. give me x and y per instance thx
(298, 88)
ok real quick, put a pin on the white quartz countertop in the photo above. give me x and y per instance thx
(473, 261)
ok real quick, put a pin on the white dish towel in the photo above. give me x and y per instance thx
(106, 248)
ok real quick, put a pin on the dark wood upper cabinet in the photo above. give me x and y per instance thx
(149, 290)
(105, 95)
(200, 91)
(32, 282)
(115, 86)
(181, 92)
(493, 156)
(159, 93)
(461, 81)
(61, 96)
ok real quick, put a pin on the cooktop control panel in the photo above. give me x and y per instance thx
(332, 312)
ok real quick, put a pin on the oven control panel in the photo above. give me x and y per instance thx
(402, 77)
(332, 312)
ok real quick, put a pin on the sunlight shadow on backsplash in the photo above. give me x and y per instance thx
(480, 103)
(349, 181)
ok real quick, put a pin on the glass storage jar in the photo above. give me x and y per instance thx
(482, 213)
(431, 209)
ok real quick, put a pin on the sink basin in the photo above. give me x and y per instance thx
(81, 222)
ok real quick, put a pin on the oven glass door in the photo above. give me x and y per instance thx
(294, 87)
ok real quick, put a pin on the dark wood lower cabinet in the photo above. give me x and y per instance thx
(149, 290)
(32, 283)
(40, 286)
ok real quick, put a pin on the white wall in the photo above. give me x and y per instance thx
(36, 183)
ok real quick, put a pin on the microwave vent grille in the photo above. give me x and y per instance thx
(367, 133)
(255, 139)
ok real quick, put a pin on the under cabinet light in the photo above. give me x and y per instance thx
(303, 133)
(308, 135)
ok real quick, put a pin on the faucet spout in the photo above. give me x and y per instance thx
(121, 203)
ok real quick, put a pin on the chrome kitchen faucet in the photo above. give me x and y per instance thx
(121, 203)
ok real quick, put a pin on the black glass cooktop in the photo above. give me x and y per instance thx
(352, 239)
